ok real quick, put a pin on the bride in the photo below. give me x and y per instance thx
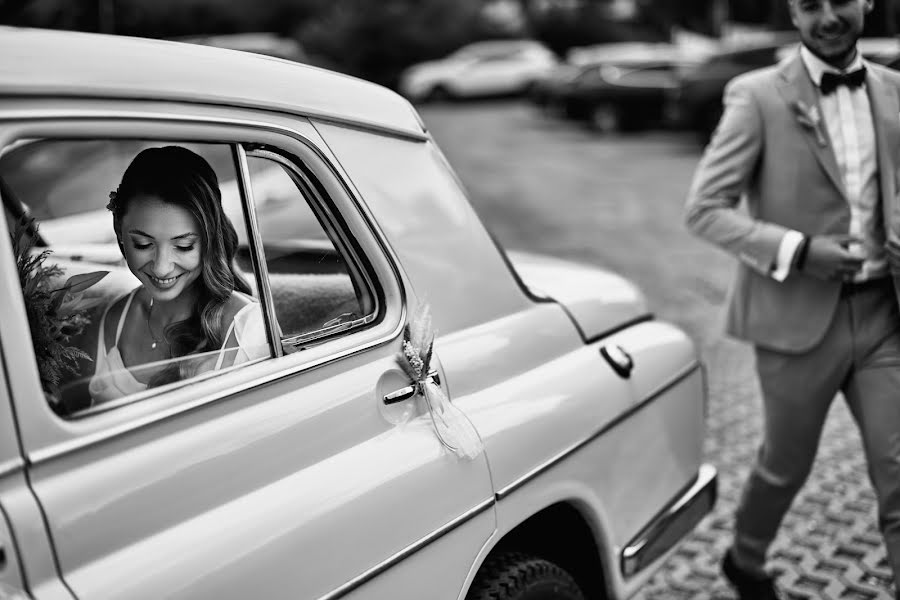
(192, 304)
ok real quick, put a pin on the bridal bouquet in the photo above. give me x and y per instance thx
(56, 313)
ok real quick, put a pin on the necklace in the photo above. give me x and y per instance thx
(150, 328)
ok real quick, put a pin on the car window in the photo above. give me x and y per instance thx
(99, 335)
(318, 286)
(98, 301)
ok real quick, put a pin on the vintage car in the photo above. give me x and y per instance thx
(620, 97)
(549, 447)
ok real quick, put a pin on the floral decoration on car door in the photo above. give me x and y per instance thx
(451, 426)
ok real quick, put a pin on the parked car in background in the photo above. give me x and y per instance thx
(696, 102)
(547, 92)
(320, 470)
(480, 69)
(611, 97)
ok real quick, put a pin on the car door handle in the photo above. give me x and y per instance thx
(621, 362)
(405, 393)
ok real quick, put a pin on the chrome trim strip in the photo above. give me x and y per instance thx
(550, 463)
(322, 208)
(49, 453)
(258, 256)
(383, 566)
(12, 115)
(11, 466)
(705, 483)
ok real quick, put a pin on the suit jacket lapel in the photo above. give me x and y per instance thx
(886, 118)
(796, 88)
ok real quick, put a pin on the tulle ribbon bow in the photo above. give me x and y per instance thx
(451, 426)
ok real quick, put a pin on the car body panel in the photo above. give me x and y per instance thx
(599, 301)
(207, 483)
(550, 442)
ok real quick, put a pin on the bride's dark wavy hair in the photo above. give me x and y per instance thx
(183, 178)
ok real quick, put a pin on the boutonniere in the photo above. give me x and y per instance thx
(809, 117)
(451, 426)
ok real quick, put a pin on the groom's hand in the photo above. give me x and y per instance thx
(834, 257)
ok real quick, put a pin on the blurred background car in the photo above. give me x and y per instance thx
(696, 102)
(480, 69)
(618, 86)
(548, 90)
(621, 97)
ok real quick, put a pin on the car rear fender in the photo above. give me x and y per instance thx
(599, 302)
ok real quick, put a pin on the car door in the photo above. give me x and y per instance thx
(287, 477)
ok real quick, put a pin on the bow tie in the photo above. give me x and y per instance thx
(831, 81)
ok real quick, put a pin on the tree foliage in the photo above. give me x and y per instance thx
(376, 40)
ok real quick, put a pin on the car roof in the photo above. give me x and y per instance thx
(41, 62)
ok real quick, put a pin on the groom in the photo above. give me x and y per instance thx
(813, 147)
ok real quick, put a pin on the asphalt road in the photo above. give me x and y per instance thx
(550, 186)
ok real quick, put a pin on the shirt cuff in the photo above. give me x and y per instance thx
(786, 250)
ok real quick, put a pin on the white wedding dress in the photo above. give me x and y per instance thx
(113, 379)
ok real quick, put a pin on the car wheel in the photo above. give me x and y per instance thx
(605, 118)
(515, 576)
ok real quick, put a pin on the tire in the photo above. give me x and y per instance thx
(605, 118)
(515, 576)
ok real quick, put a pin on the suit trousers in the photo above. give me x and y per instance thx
(860, 357)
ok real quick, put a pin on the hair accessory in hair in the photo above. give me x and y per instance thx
(113, 201)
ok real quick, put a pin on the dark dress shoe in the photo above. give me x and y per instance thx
(749, 586)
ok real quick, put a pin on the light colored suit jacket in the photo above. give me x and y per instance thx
(769, 153)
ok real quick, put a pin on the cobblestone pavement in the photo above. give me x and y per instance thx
(551, 187)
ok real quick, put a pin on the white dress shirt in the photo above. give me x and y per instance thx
(848, 120)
